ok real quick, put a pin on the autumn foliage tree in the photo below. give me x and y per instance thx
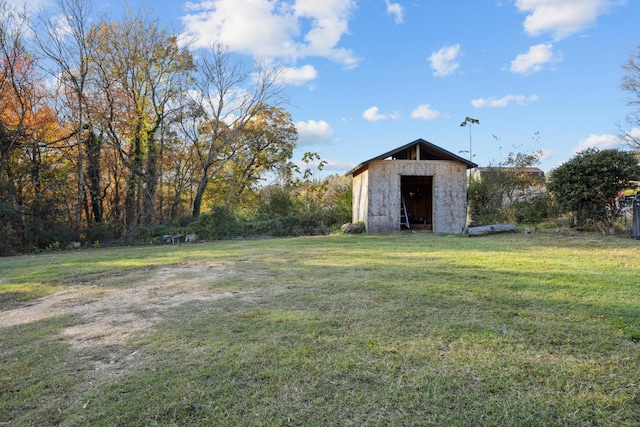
(140, 71)
(228, 94)
(33, 163)
(110, 129)
(265, 145)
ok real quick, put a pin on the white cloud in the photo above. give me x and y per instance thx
(444, 61)
(28, 6)
(534, 59)
(373, 114)
(504, 101)
(229, 21)
(339, 166)
(274, 28)
(601, 142)
(425, 112)
(314, 133)
(632, 137)
(60, 27)
(546, 154)
(562, 18)
(329, 21)
(299, 76)
(396, 10)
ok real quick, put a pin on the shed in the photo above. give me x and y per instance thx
(415, 186)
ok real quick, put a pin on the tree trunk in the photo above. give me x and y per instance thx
(197, 200)
(80, 172)
(94, 146)
(151, 184)
(489, 229)
(131, 204)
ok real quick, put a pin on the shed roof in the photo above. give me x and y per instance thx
(416, 150)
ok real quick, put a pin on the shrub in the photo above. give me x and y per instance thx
(533, 210)
(275, 201)
(9, 235)
(220, 223)
(356, 228)
(485, 203)
(107, 230)
(589, 184)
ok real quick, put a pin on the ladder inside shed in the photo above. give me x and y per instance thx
(404, 216)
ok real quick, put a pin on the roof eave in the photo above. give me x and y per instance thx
(469, 164)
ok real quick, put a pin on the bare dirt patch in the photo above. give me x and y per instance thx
(109, 315)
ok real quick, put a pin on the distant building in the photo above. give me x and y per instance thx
(416, 186)
(536, 174)
(536, 177)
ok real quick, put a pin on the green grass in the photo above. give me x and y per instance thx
(406, 329)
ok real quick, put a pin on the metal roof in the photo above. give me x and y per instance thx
(431, 151)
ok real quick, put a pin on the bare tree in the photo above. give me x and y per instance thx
(227, 95)
(631, 83)
(62, 40)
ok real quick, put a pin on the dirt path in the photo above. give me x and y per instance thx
(110, 315)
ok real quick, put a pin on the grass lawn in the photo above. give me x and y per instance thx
(403, 329)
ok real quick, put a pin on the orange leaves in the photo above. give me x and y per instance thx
(24, 102)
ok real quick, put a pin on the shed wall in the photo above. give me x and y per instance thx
(384, 196)
(360, 198)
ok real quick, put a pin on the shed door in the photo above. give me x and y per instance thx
(417, 192)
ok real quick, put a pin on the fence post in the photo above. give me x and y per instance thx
(635, 227)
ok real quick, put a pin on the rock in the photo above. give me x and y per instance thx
(168, 238)
(350, 228)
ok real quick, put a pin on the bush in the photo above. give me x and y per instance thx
(9, 235)
(357, 228)
(219, 224)
(153, 233)
(588, 185)
(485, 203)
(340, 196)
(532, 211)
(275, 201)
(282, 211)
(107, 230)
(547, 225)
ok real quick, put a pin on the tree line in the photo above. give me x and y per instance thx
(115, 129)
(109, 127)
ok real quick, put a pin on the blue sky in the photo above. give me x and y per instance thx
(367, 76)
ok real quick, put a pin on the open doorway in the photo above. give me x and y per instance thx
(417, 195)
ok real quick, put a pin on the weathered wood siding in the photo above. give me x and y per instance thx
(377, 197)
(360, 197)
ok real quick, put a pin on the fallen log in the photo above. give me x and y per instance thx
(489, 229)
